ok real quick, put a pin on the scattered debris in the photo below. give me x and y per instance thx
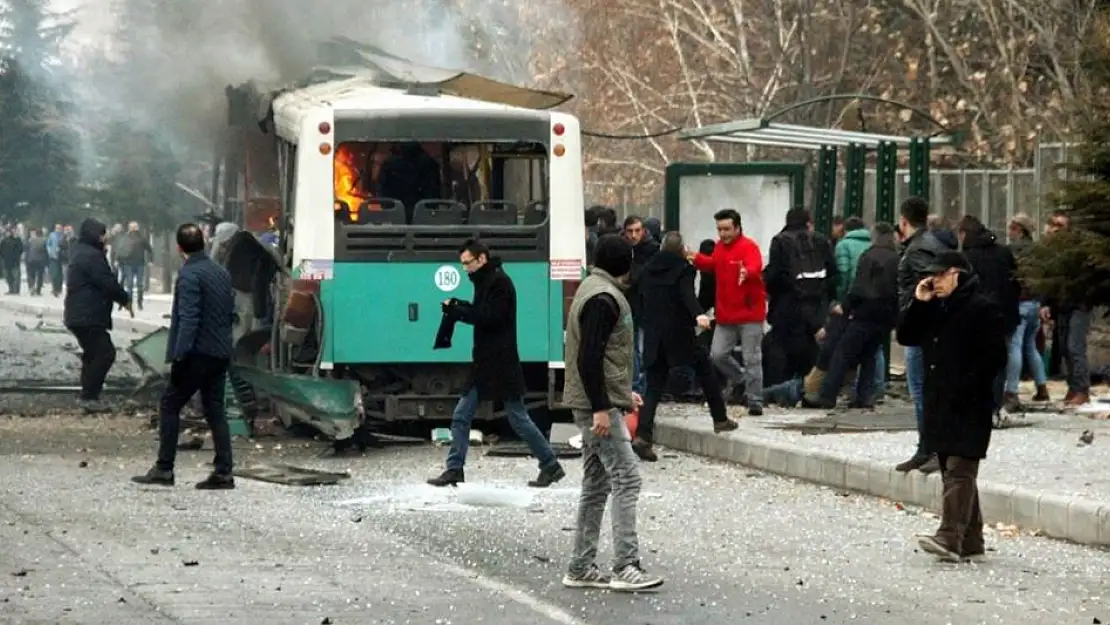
(1087, 437)
(21, 573)
(84, 464)
(191, 563)
(289, 475)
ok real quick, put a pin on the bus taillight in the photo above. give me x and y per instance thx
(570, 287)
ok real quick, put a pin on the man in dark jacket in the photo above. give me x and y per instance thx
(996, 268)
(495, 373)
(91, 289)
(11, 253)
(801, 284)
(920, 247)
(962, 335)
(133, 253)
(36, 259)
(871, 310)
(199, 350)
(668, 318)
(644, 247)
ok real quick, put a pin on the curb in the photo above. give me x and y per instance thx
(1080, 520)
(138, 326)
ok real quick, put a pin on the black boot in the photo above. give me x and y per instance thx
(449, 477)
(548, 476)
(644, 451)
(155, 477)
(916, 462)
(217, 481)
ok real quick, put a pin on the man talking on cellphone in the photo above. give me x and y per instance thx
(598, 389)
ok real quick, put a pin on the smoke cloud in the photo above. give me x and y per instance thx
(172, 59)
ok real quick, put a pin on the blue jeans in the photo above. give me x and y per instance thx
(878, 385)
(522, 424)
(915, 380)
(1023, 347)
(133, 281)
(638, 377)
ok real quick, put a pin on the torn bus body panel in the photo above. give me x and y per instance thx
(329, 406)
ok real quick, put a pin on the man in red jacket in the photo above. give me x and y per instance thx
(740, 306)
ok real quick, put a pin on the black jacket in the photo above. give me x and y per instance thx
(917, 253)
(874, 294)
(670, 309)
(495, 371)
(203, 311)
(642, 254)
(997, 271)
(785, 307)
(91, 285)
(11, 250)
(964, 346)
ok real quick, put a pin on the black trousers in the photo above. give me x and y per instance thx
(856, 348)
(196, 374)
(98, 354)
(788, 353)
(657, 374)
(36, 273)
(14, 277)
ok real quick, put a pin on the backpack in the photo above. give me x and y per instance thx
(806, 261)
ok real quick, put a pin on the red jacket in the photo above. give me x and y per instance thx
(737, 302)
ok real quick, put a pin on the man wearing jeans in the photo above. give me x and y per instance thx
(1072, 324)
(740, 307)
(1023, 344)
(495, 373)
(598, 388)
(920, 247)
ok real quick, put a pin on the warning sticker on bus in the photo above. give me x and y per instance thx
(566, 269)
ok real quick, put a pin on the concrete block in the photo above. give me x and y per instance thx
(1052, 515)
(1083, 520)
(759, 455)
(880, 480)
(856, 476)
(743, 454)
(798, 465)
(997, 502)
(901, 486)
(777, 455)
(1104, 526)
(1023, 505)
(832, 469)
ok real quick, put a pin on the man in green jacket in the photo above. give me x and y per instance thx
(856, 240)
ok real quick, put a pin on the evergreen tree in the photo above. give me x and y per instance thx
(1073, 266)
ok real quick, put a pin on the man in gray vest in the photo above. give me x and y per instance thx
(598, 389)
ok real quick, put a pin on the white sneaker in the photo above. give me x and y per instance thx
(633, 579)
(592, 578)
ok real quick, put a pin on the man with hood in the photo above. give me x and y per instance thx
(36, 259)
(11, 253)
(91, 289)
(996, 268)
(644, 247)
(801, 285)
(740, 307)
(670, 313)
(495, 373)
(598, 390)
(920, 247)
(961, 333)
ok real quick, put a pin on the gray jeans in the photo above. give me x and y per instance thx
(608, 466)
(1075, 326)
(750, 338)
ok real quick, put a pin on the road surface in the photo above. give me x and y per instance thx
(80, 544)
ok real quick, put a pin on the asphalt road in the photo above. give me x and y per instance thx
(80, 544)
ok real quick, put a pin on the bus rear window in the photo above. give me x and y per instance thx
(440, 183)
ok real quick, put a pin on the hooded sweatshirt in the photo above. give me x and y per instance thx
(996, 268)
(91, 285)
(848, 252)
(736, 302)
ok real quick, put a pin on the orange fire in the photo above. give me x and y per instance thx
(346, 181)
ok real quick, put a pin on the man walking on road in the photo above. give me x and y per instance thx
(54, 242)
(91, 289)
(36, 260)
(598, 388)
(199, 349)
(740, 307)
(495, 373)
(133, 251)
(962, 335)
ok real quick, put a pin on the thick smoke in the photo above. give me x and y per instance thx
(188, 51)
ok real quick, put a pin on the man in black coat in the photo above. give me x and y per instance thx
(644, 247)
(669, 315)
(996, 267)
(871, 310)
(962, 336)
(91, 289)
(495, 373)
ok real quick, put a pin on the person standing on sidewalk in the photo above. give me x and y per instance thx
(199, 350)
(644, 247)
(920, 247)
(495, 373)
(91, 289)
(962, 336)
(598, 389)
(36, 260)
(1023, 346)
(11, 252)
(54, 259)
(740, 308)
(670, 313)
(1071, 324)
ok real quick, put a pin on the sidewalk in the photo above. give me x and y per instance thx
(1040, 478)
(147, 320)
